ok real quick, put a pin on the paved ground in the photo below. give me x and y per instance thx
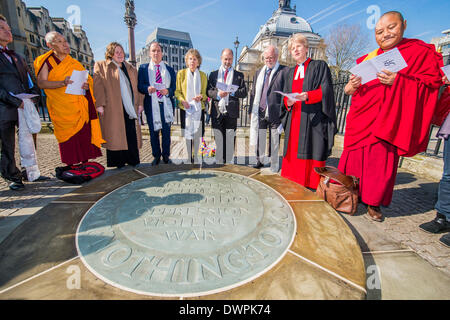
(412, 204)
(404, 255)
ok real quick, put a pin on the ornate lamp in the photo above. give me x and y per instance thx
(236, 46)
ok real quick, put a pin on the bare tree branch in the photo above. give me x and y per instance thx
(345, 44)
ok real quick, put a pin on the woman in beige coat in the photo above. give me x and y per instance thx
(119, 105)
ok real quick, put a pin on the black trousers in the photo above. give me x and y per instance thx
(224, 129)
(157, 149)
(8, 168)
(122, 157)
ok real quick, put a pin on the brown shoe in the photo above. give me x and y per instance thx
(374, 213)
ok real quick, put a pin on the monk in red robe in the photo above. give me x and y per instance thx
(390, 116)
(310, 122)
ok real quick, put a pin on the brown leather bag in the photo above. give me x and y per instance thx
(342, 195)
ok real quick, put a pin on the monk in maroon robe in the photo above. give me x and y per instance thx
(390, 116)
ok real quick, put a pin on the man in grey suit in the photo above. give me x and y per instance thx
(265, 108)
(14, 78)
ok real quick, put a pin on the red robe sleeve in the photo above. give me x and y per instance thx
(314, 96)
(409, 104)
(285, 99)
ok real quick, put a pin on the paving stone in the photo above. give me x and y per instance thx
(413, 200)
(405, 276)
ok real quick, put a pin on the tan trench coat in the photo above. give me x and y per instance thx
(107, 94)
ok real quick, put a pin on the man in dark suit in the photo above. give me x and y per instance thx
(14, 78)
(225, 106)
(265, 108)
(158, 103)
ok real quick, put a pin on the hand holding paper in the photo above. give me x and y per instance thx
(79, 78)
(230, 88)
(391, 61)
(192, 107)
(295, 96)
(159, 86)
(24, 96)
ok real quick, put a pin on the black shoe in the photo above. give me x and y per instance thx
(16, 186)
(166, 160)
(258, 165)
(42, 178)
(156, 161)
(438, 225)
(445, 240)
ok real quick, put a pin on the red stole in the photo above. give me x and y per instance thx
(399, 114)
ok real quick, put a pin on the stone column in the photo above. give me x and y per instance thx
(131, 21)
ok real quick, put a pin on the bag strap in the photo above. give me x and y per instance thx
(335, 174)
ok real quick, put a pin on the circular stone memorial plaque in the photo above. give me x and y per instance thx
(186, 233)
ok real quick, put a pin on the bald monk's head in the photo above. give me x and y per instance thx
(390, 29)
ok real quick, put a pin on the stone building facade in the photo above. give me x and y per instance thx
(29, 26)
(276, 31)
(174, 44)
(443, 45)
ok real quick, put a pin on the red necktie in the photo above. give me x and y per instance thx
(225, 76)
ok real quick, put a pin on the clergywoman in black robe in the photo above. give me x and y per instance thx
(310, 122)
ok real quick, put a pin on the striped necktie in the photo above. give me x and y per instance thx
(263, 101)
(158, 80)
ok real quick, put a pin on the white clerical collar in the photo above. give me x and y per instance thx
(300, 71)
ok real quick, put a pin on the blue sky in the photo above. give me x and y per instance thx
(214, 24)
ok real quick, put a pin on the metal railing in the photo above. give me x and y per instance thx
(343, 101)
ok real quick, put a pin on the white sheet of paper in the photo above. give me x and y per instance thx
(78, 78)
(222, 86)
(280, 129)
(446, 70)
(160, 86)
(232, 88)
(365, 70)
(192, 107)
(392, 61)
(291, 96)
(24, 96)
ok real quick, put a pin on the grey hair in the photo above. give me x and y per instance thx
(277, 52)
(50, 37)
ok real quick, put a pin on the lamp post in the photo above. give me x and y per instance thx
(130, 21)
(236, 46)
